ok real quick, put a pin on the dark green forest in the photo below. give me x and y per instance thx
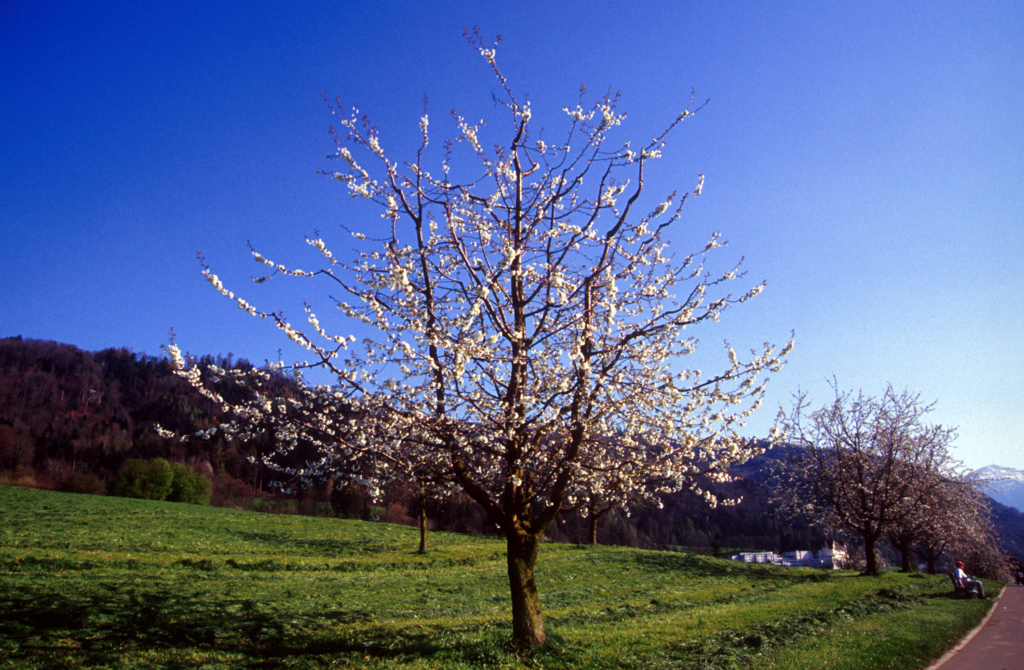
(72, 420)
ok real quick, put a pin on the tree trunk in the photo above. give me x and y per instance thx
(870, 556)
(423, 521)
(902, 544)
(930, 556)
(527, 623)
(907, 556)
(592, 528)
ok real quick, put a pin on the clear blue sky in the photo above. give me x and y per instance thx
(867, 158)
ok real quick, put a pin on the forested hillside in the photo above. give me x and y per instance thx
(1010, 523)
(71, 419)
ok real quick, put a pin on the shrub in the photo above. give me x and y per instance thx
(188, 486)
(149, 480)
(230, 492)
(85, 482)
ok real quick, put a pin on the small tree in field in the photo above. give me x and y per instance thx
(149, 480)
(188, 486)
(528, 329)
(869, 465)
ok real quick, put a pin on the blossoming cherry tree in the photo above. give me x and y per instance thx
(528, 330)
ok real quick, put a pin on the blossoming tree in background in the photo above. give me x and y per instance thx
(955, 521)
(937, 518)
(874, 467)
(529, 330)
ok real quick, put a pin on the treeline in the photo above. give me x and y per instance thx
(84, 422)
(75, 421)
(71, 420)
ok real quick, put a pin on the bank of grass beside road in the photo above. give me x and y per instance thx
(892, 640)
(88, 581)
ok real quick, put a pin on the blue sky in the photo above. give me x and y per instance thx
(867, 160)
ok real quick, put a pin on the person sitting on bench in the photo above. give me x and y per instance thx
(964, 584)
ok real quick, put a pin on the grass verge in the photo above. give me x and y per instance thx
(94, 582)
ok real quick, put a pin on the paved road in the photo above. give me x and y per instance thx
(998, 644)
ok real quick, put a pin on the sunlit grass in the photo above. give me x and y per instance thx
(897, 640)
(103, 582)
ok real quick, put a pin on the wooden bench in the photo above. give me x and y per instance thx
(960, 591)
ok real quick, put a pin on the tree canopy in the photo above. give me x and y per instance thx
(529, 328)
(875, 467)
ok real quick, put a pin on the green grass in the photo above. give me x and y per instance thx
(94, 582)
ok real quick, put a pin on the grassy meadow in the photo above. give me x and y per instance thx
(98, 582)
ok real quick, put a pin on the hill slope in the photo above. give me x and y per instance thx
(90, 581)
(65, 413)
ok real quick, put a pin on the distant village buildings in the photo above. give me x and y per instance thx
(832, 557)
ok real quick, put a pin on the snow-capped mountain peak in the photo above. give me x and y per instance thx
(1007, 483)
(990, 472)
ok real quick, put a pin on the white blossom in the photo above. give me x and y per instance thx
(527, 335)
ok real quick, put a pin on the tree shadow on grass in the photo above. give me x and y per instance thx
(324, 547)
(65, 631)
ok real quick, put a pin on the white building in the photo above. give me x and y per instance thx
(832, 557)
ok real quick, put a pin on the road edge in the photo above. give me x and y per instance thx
(967, 638)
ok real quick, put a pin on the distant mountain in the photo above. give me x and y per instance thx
(1007, 483)
(1010, 524)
